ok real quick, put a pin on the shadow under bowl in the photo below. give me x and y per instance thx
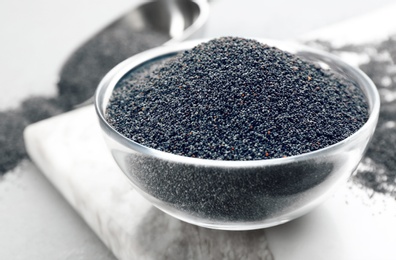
(237, 195)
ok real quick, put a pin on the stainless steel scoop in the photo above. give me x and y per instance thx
(180, 19)
(172, 20)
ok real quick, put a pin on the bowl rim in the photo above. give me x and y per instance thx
(106, 86)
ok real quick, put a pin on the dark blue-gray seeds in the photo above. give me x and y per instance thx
(236, 99)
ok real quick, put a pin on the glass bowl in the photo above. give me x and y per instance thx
(237, 195)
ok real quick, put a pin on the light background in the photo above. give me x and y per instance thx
(37, 36)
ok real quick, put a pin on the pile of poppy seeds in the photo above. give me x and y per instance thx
(236, 99)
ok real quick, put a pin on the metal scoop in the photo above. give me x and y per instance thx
(149, 25)
(180, 19)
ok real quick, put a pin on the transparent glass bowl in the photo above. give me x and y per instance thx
(237, 195)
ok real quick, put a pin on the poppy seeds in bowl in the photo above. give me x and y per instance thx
(236, 99)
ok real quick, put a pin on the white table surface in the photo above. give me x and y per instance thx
(37, 36)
